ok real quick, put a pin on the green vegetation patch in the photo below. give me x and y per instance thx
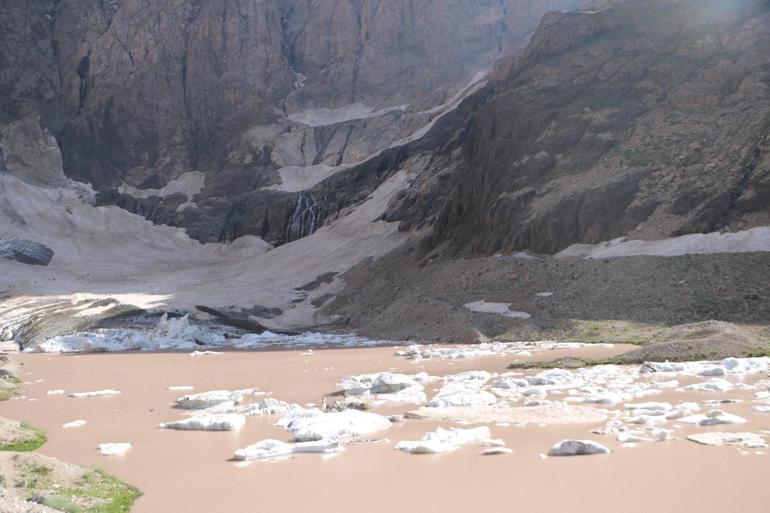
(99, 492)
(9, 385)
(33, 439)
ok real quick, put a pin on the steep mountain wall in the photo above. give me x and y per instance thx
(139, 93)
(648, 119)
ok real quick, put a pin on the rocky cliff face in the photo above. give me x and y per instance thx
(648, 119)
(140, 93)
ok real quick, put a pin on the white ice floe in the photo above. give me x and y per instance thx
(445, 440)
(268, 449)
(713, 418)
(735, 366)
(462, 394)
(313, 425)
(58, 391)
(761, 409)
(380, 383)
(652, 406)
(74, 424)
(268, 406)
(419, 352)
(747, 440)
(208, 422)
(215, 399)
(712, 385)
(114, 448)
(96, 393)
(180, 388)
(577, 448)
(386, 388)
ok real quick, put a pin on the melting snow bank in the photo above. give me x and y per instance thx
(577, 448)
(748, 241)
(419, 352)
(448, 440)
(179, 333)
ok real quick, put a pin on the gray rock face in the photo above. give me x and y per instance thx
(31, 153)
(614, 123)
(25, 251)
(139, 92)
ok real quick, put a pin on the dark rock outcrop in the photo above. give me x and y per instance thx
(25, 251)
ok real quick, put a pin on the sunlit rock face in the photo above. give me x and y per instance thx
(140, 92)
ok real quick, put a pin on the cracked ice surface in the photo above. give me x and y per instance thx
(180, 334)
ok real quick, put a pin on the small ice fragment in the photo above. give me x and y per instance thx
(114, 449)
(95, 393)
(205, 353)
(58, 391)
(577, 448)
(494, 451)
(180, 388)
(74, 424)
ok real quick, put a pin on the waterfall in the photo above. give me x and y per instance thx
(305, 219)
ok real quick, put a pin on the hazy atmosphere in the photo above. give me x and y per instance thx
(364, 255)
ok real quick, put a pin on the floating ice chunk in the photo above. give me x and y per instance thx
(214, 398)
(461, 394)
(114, 449)
(667, 384)
(396, 419)
(476, 377)
(748, 440)
(628, 437)
(180, 388)
(444, 440)
(659, 434)
(268, 406)
(653, 406)
(74, 424)
(277, 449)
(311, 425)
(761, 409)
(95, 393)
(495, 451)
(712, 371)
(671, 367)
(208, 422)
(712, 385)
(205, 353)
(607, 398)
(713, 418)
(577, 448)
(381, 383)
(554, 377)
(58, 391)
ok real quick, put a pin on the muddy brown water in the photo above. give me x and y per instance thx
(189, 472)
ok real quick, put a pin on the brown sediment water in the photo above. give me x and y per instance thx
(189, 471)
